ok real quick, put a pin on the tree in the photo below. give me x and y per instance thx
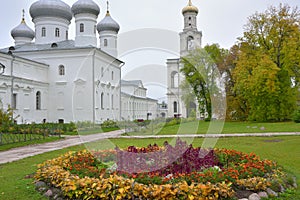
(267, 72)
(201, 72)
(5, 118)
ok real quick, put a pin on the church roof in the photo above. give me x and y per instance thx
(137, 83)
(22, 30)
(190, 8)
(50, 8)
(85, 6)
(108, 24)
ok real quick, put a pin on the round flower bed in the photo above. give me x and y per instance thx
(153, 172)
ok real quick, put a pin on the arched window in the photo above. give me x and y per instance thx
(105, 42)
(190, 43)
(57, 32)
(38, 100)
(174, 79)
(112, 101)
(102, 100)
(81, 27)
(175, 107)
(67, 35)
(43, 32)
(61, 70)
(112, 75)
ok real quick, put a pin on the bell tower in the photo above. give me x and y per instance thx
(190, 37)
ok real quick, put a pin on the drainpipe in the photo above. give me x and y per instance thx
(120, 97)
(93, 85)
(12, 83)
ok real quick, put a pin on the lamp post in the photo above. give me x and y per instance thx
(2, 68)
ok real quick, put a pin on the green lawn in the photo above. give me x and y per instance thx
(201, 127)
(285, 150)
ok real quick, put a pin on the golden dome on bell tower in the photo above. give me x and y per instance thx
(190, 8)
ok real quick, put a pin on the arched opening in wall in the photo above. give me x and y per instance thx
(57, 32)
(61, 121)
(190, 43)
(61, 70)
(191, 110)
(43, 32)
(102, 100)
(38, 100)
(105, 42)
(81, 28)
(175, 107)
(174, 79)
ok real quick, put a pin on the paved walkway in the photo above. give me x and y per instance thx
(32, 150)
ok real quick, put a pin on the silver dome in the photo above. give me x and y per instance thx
(22, 30)
(85, 6)
(51, 8)
(108, 24)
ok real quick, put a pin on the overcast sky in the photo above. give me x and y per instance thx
(221, 21)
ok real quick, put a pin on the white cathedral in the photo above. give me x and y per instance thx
(47, 77)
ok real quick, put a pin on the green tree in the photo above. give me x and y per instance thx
(202, 75)
(267, 72)
(5, 118)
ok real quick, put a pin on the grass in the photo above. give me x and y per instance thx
(21, 144)
(284, 149)
(201, 127)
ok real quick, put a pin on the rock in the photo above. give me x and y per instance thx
(263, 194)
(295, 182)
(40, 184)
(248, 126)
(281, 188)
(271, 193)
(49, 193)
(240, 194)
(262, 128)
(254, 196)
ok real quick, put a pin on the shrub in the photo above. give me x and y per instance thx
(296, 116)
(109, 124)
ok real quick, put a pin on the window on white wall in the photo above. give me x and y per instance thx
(38, 100)
(57, 32)
(175, 107)
(112, 75)
(102, 100)
(61, 70)
(43, 32)
(105, 43)
(174, 79)
(112, 101)
(81, 27)
(14, 101)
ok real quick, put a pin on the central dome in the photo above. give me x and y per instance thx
(85, 6)
(51, 8)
